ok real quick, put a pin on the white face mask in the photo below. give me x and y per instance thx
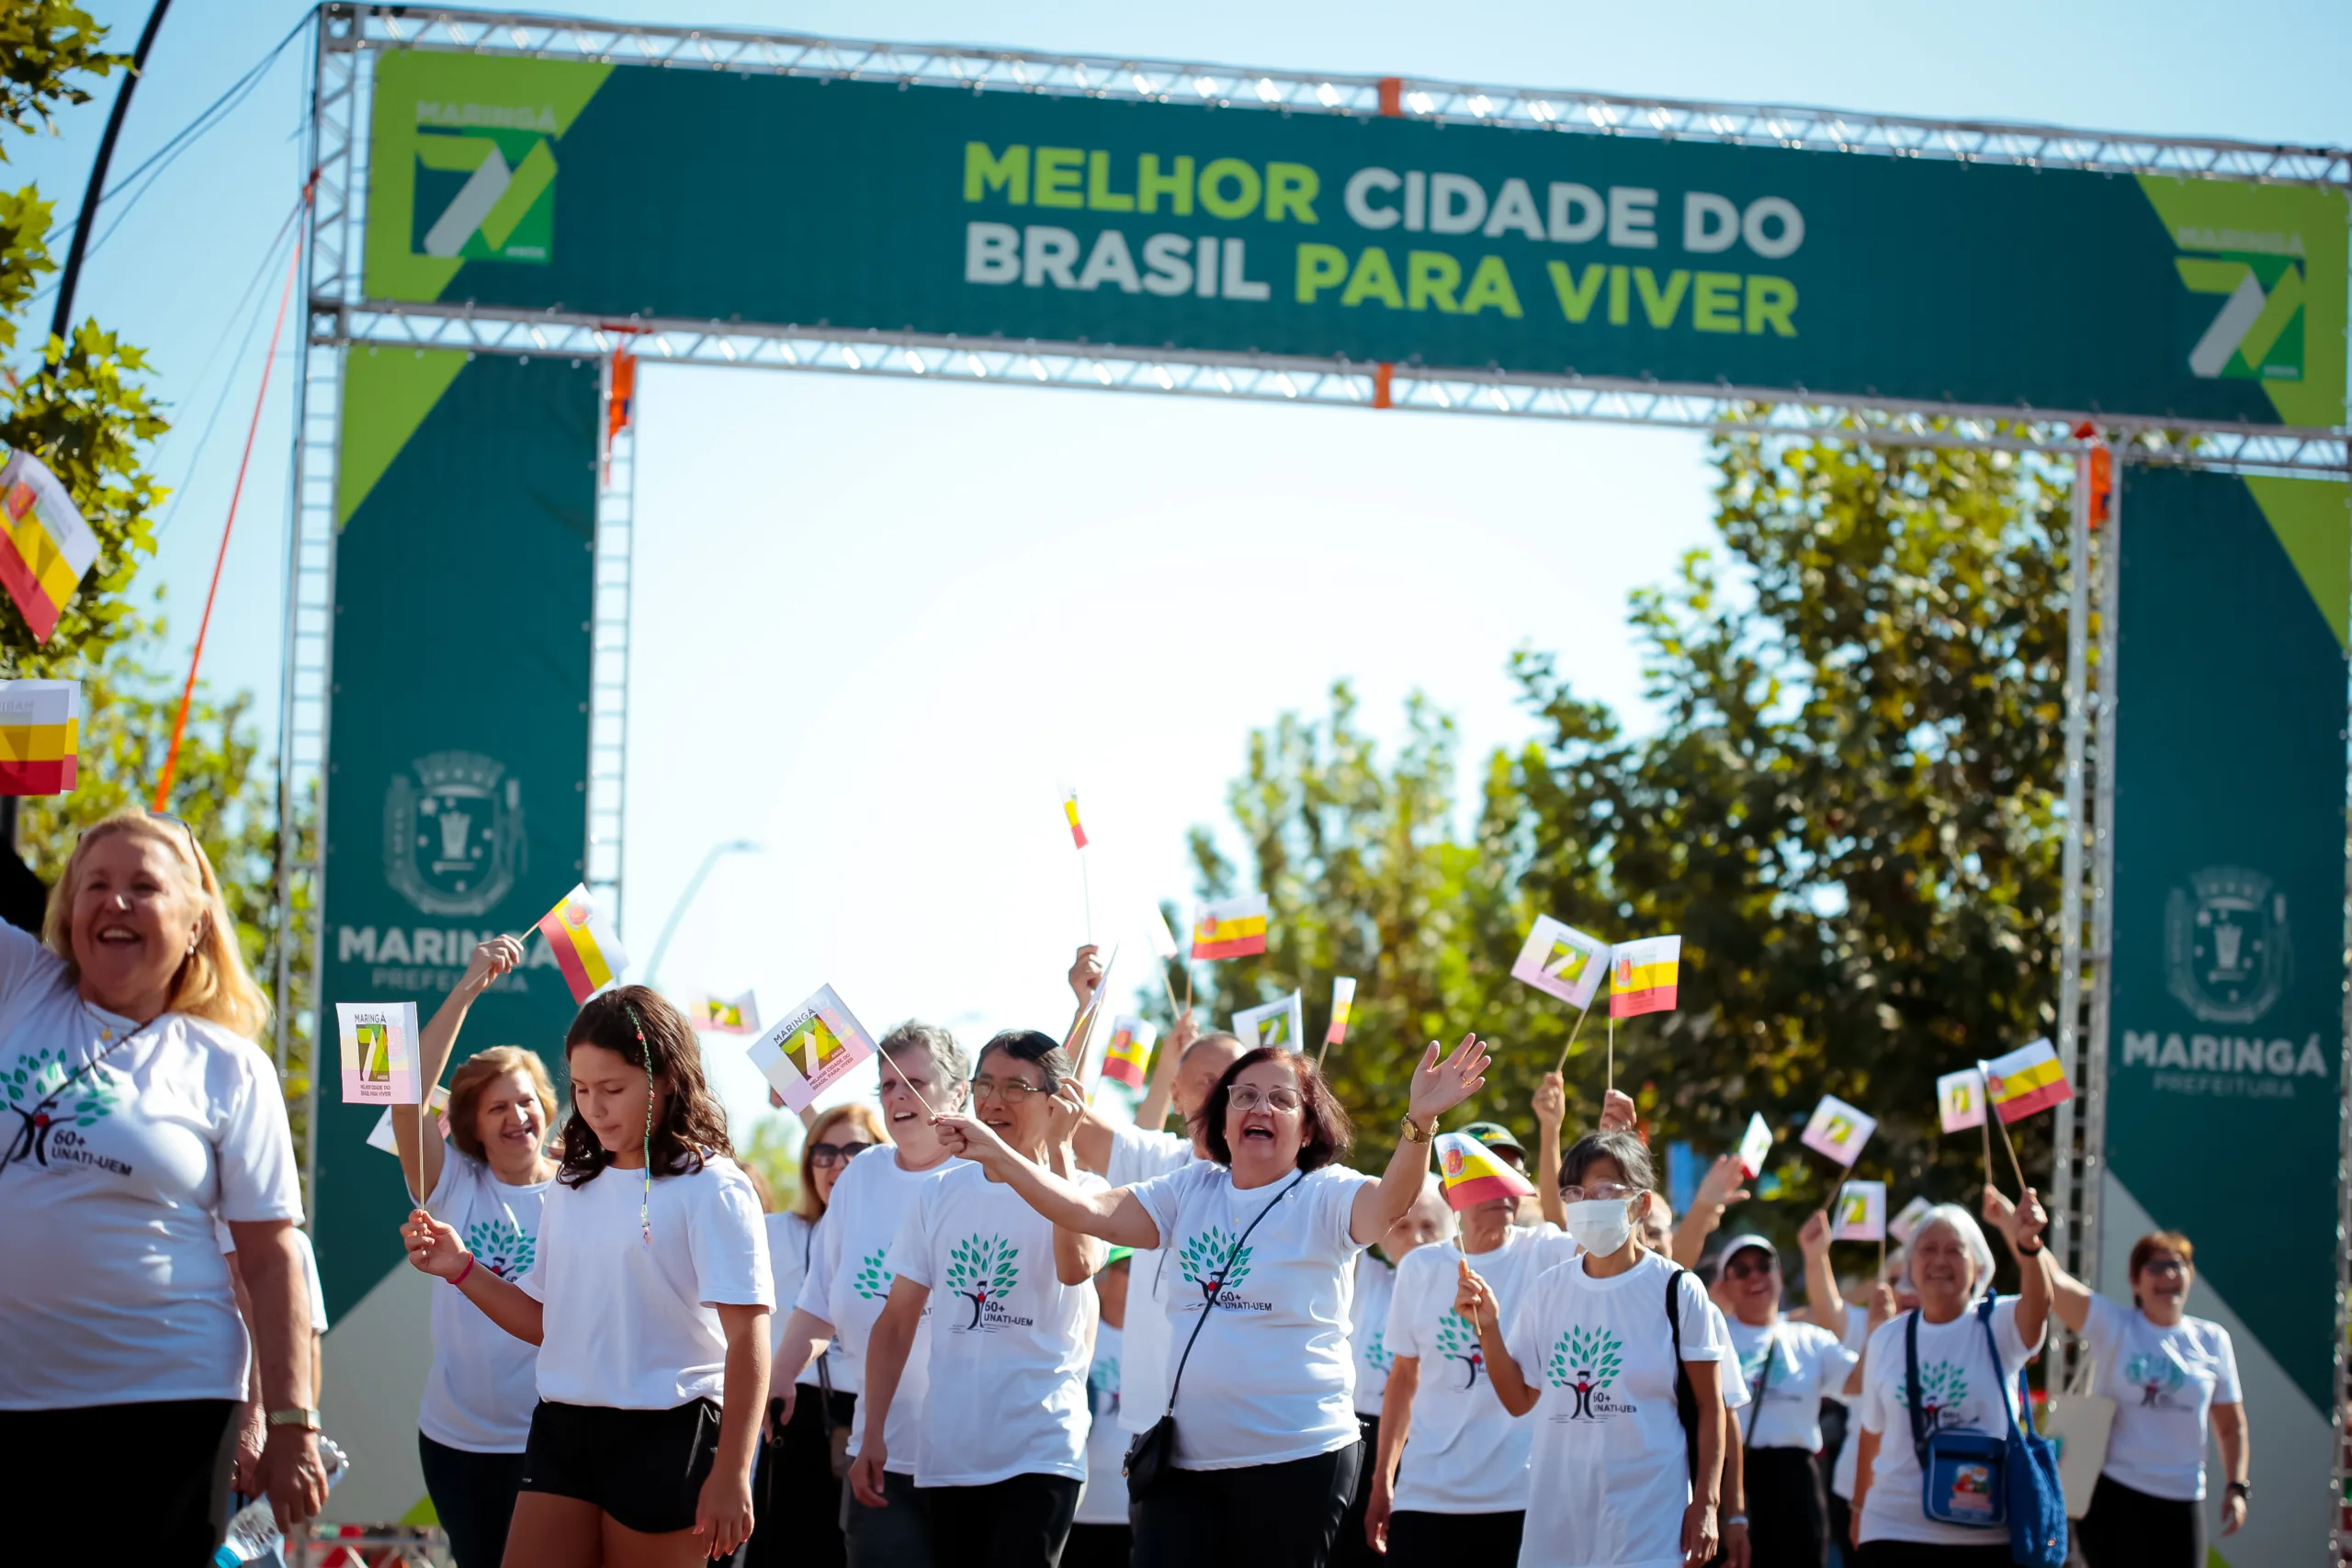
(1600, 1225)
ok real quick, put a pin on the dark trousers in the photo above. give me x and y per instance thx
(1099, 1546)
(1349, 1548)
(1440, 1541)
(895, 1537)
(1788, 1513)
(795, 1497)
(2128, 1529)
(170, 1508)
(1285, 1513)
(1919, 1554)
(473, 1496)
(1019, 1522)
(1841, 1528)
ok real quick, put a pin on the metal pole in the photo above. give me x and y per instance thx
(2065, 1179)
(63, 320)
(678, 911)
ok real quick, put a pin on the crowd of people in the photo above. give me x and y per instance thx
(997, 1326)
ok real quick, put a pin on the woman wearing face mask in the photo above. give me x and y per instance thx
(799, 1502)
(1267, 1446)
(849, 1282)
(1429, 1220)
(1614, 1475)
(1002, 1453)
(1788, 1367)
(1962, 1386)
(649, 1300)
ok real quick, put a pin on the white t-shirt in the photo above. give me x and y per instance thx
(1137, 1157)
(1467, 1454)
(1104, 1499)
(849, 1282)
(479, 1395)
(1962, 1389)
(1375, 1287)
(111, 1279)
(632, 1327)
(2163, 1381)
(1010, 1342)
(1805, 1362)
(1858, 1334)
(792, 1247)
(1272, 1378)
(1609, 1476)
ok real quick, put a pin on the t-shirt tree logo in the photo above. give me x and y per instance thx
(1585, 1362)
(502, 1247)
(1943, 1386)
(46, 1097)
(1376, 1354)
(1457, 1341)
(485, 192)
(872, 1282)
(983, 1269)
(2157, 1376)
(1102, 1387)
(1203, 1261)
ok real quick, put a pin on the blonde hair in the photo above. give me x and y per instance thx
(805, 1203)
(467, 1082)
(211, 983)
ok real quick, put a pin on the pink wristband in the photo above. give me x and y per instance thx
(459, 1277)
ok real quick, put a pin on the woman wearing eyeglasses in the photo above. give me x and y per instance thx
(1262, 1239)
(799, 1489)
(1788, 1367)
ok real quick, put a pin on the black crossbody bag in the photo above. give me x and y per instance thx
(1153, 1453)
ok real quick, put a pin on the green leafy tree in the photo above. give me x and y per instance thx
(872, 1279)
(773, 1149)
(1585, 1361)
(982, 1268)
(1457, 1341)
(1203, 1261)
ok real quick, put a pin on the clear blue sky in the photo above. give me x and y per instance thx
(1401, 551)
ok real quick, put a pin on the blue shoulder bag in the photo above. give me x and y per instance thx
(1986, 1481)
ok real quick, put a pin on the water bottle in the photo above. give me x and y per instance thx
(254, 1535)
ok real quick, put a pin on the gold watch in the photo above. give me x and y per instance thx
(1413, 1132)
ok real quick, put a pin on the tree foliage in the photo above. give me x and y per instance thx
(47, 47)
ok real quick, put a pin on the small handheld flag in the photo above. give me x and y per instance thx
(1069, 809)
(1474, 1173)
(1642, 975)
(1906, 1224)
(585, 946)
(1343, 998)
(1127, 1059)
(812, 1049)
(720, 1015)
(2026, 1080)
(1860, 1213)
(379, 1064)
(45, 546)
(1755, 1146)
(1281, 1022)
(1563, 962)
(41, 736)
(379, 1136)
(1839, 1131)
(1163, 940)
(1960, 1100)
(1231, 928)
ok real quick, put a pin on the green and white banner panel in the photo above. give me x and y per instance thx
(457, 802)
(2226, 1045)
(634, 193)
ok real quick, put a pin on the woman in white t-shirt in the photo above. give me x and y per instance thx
(1788, 1367)
(1262, 1238)
(1620, 1473)
(1963, 1386)
(143, 1116)
(648, 1297)
(2165, 1370)
(800, 1493)
(1099, 1536)
(475, 1418)
(1001, 1452)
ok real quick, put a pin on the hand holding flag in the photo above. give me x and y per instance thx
(1474, 1174)
(586, 947)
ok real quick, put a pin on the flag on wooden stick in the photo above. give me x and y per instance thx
(1860, 1213)
(722, 1015)
(586, 947)
(1474, 1173)
(1755, 1146)
(1960, 1100)
(1069, 809)
(1906, 1224)
(2026, 1080)
(45, 546)
(812, 1049)
(1231, 928)
(1280, 1022)
(1642, 975)
(1839, 1131)
(1343, 998)
(1563, 962)
(1127, 1059)
(41, 736)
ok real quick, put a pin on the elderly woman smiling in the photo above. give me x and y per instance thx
(144, 1112)
(1265, 1230)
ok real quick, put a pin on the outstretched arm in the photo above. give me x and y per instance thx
(1112, 1216)
(417, 1137)
(2069, 1297)
(1437, 1088)
(1825, 1304)
(1550, 1111)
(1151, 1114)
(1718, 1190)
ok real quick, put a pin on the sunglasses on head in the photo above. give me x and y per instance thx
(179, 822)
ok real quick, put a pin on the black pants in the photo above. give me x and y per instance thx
(1841, 1528)
(1349, 1548)
(1919, 1554)
(1788, 1514)
(1019, 1522)
(1285, 1513)
(2128, 1529)
(796, 1504)
(1099, 1546)
(473, 1496)
(1436, 1540)
(171, 1509)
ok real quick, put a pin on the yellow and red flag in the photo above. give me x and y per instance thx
(1642, 976)
(2026, 1080)
(45, 547)
(1474, 1173)
(1230, 928)
(585, 946)
(40, 733)
(1343, 1001)
(1128, 1057)
(1069, 809)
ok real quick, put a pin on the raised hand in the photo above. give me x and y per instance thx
(2031, 1219)
(1813, 1237)
(433, 1247)
(1180, 1039)
(1999, 1212)
(499, 955)
(1473, 1298)
(1441, 1085)
(973, 1140)
(1617, 1111)
(1720, 1188)
(1086, 973)
(1551, 1105)
(1882, 1306)
(1065, 1109)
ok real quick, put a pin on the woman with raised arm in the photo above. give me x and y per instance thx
(1969, 1346)
(1261, 1239)
(1618, 1473)
(648, 1297)
(144, 1115)
(1001, 1452)
(475, 1419)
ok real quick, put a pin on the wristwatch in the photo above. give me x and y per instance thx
(2240, 1487)
(1413, 1132)
(306, 1419)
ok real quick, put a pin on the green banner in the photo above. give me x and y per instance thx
(2226, 1044)
(628, 191)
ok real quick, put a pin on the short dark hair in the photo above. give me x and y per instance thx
(2143, 1251)
(1328, 1133)
(1631, 1154)
(643, 1029)
(1030, 1045)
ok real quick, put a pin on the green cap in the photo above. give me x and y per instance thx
(1117, 1255)
(1494, 1135)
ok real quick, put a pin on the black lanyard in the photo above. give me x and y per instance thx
(31, 1139)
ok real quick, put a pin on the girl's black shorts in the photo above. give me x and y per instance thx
(645, 1468)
